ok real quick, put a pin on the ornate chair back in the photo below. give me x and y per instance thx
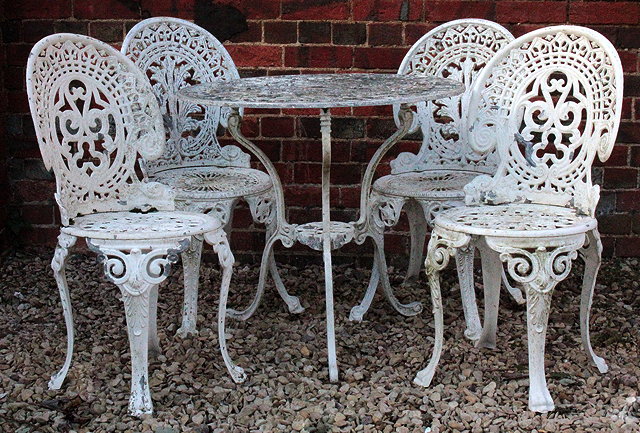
(175, 53)
(548, 103)
(458, 50)
(93, 112)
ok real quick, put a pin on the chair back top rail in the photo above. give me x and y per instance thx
(94, 114)
(458, 50)
(174, 54)
(548, 103)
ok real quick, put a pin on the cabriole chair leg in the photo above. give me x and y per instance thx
(58, 264)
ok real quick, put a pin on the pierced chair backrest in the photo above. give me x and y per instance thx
(93, 112)
(549, 102)
(458, 50)
(174, 54)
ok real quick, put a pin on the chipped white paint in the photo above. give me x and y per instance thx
(324, 91)
(95, 114)
(547, 104)
(433, 179)
(207, 177)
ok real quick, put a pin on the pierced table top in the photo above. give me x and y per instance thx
(322, 91)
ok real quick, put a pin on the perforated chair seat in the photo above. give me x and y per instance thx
(211, 183)
(515, 221)
(141, 226)
(428, 184)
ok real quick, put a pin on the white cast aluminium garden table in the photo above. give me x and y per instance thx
(322, 91)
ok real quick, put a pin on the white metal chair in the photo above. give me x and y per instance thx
(549, 103)
(94, 113)
(433, 179)
(207, 177)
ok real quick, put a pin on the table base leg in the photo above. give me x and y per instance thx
(325, 129)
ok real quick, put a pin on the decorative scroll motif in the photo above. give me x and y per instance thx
(457, 50)
(65, 242)
(442, 246)
(175, 54)
(559, 89)
(385, 209)
(262, 207)
(221, 210)
(93, 112)
(135, 272)
(538, 270)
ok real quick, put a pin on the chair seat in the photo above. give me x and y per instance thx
(139, 226)
(212, 183)
(438, 184)
(515, 220)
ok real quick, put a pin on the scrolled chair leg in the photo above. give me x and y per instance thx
(58, 264)
(154, 341)
(220, 244)
(137, 272)
(538, 270)
(591, 254)
(464, 266)
(418, 228)
(191, 259)
(491, 277)
(442, 246)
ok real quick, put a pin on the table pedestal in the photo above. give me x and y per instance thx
(326, 235)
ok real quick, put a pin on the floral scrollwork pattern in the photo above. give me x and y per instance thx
(262, 207)
(538, 269)
(442, 246)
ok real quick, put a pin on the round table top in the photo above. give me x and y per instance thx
(322, 91)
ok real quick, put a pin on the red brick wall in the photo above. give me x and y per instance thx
(302, 36)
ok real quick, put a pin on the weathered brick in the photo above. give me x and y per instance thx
(531, 12)
(314, 32)
(107, 31)
(252, 34)
(104, 9)
(276, 126)
(385, 34)
(33, 31)
(347, 128)
(349, 33)
(318, 57)
(259, 9)
(413, 32)
(378, 58)
(71, 26)
(616, 224)
(387, 10)
(600, 12)
(628, 37)
(34, 9)
(315, 9)
(628, 247)
(620, 178)
(281, 32)
(632, 85)
(255, 55)
(442, 11)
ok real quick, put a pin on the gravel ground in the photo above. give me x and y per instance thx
(287, 390)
